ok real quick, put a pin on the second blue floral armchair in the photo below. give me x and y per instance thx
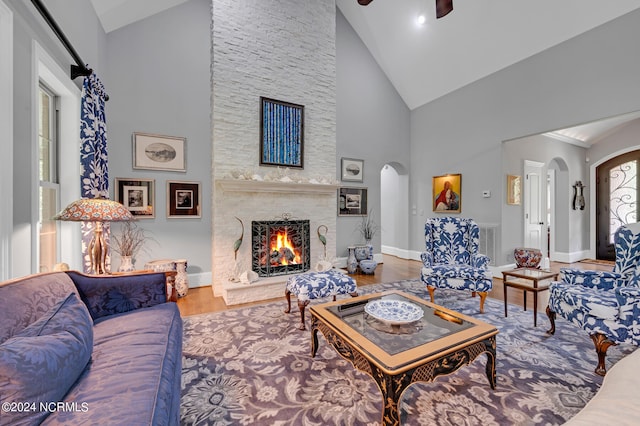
(451, 258)
(604, 304)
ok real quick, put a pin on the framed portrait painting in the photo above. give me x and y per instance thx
(137, 195)
(352, 170)
(352, 201)
(156, 152)
(447, 193)
(183, 199)
(281, 133)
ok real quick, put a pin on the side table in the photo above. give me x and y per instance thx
(527, 279)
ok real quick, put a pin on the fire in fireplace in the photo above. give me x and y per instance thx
(280, 247)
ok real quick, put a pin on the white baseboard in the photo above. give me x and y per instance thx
(570, 257)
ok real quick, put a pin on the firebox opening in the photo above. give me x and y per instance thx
(280, 247)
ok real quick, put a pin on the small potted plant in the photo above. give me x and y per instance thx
(127, 244)
(368, 228)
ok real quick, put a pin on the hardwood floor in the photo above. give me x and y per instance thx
(200, 299)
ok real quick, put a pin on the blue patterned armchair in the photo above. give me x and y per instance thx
(451, 259)
(605, 304)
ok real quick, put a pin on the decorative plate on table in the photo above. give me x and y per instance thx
(394, 311)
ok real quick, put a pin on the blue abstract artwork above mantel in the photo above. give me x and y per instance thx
(281, 133)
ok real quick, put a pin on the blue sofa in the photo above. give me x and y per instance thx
(80, 349)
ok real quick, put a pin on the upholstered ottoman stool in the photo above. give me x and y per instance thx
(316, 285)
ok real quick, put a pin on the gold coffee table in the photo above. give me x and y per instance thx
(397, 354)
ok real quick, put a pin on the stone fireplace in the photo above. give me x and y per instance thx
(280, 247)
(253, 56)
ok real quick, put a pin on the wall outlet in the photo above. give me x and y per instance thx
(486, 194)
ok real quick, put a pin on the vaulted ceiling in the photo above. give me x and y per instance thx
(425, 62)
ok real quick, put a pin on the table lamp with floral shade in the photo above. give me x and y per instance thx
(97, 210)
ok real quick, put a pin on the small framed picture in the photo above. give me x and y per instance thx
(281, 133)
(137, 195)
(183, 199)
(352, 170)
(514, 185)
(446, 193)
(156, 152)
(352, 201)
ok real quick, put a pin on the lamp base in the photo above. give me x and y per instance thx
(98, 251)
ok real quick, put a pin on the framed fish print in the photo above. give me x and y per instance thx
(156, 152)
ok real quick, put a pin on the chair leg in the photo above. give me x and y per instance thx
(552, 320)
(431, 289)
(602, 343)
(483, 297)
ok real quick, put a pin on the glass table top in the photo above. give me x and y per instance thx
(394, 338)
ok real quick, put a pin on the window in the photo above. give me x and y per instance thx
(48, 199)
(622, 192)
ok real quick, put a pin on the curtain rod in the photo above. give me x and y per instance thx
(80, 69)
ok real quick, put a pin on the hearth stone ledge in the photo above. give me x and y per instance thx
(235, 293)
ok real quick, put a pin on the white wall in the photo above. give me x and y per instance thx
(284, 50)
(592, 76)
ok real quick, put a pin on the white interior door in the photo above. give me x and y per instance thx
(534, 236)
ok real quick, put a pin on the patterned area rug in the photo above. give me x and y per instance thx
(251, 366)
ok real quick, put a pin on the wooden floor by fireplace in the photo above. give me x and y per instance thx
(200, 300)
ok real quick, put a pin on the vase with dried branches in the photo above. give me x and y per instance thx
(368, 227)
(127, 244)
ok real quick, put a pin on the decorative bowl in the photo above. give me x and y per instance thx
(394, 311)
(527, 257)
(368, 266)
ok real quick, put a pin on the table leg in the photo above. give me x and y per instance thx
(535, 308)
(504, 285)
(525, 299)
(314, 336)
(391, 388)
(491, 361)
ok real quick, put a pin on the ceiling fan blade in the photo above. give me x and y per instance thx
(443, 7)
(364, 2)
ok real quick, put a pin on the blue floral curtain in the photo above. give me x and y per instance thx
(94, 174)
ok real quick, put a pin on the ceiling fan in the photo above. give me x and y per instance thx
(443, 7)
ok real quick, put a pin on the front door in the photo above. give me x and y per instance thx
(616, 196)
(534, 237)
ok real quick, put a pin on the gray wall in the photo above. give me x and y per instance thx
(158, 79)
(571, 224)
(622, 140)
(592, 76)
(372, 124)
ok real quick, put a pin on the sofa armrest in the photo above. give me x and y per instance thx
(602, 280)
(114, 294)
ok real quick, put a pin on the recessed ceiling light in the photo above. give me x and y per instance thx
(421, 19)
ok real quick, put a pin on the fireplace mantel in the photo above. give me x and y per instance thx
(240, 185)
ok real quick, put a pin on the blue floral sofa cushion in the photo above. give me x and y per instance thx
(42, 362)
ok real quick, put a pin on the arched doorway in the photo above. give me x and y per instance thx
(557, 208)
(394, 210)
(616, 199)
